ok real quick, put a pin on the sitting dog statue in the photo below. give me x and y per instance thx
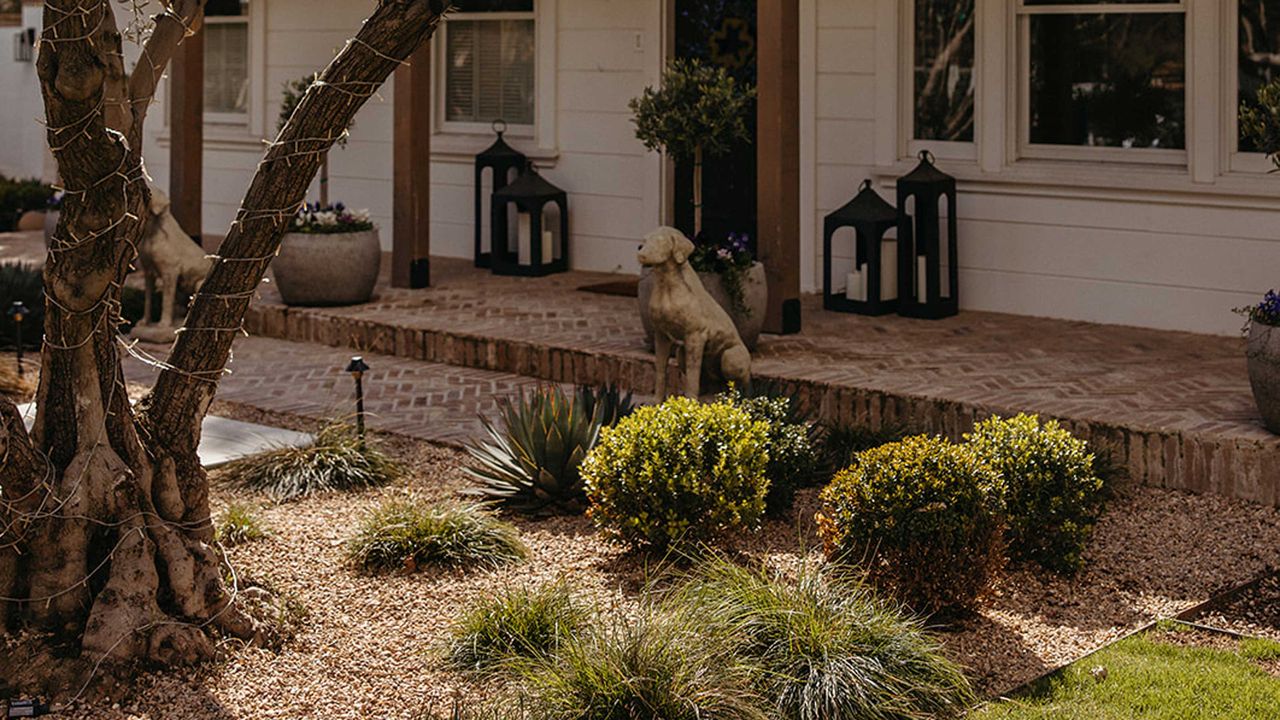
(171, 260)
(684, 312)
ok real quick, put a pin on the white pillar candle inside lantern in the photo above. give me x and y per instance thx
(524, 238)
(855, 287)
(548, 252)
(888, 269)
(922, 278)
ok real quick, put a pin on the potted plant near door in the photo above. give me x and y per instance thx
(331, 254)
(1260, 122)
(700, 111)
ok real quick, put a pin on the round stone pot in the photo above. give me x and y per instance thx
(1263, 351)
(332, 269)
(755, 293)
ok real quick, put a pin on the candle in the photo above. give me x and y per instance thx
(548, 252)
(889, 270)
(524, 238)
(854, 289)
(922, 278)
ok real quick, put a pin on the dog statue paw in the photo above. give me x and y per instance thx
(685, 314)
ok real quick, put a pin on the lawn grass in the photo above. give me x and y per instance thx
(1152, 679)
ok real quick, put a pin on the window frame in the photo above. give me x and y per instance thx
(1235, 160)
(1021, 54)
(239, 119)
(910, 146)
(444, 125)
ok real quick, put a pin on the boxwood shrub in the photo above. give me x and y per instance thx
(793, 461)
(924, 516)
(1053, 495)
(678, 474)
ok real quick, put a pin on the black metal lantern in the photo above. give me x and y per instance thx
(924, 252)
(538, 250)
(504, 162)
(872, 287)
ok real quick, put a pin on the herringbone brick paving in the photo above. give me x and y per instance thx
(1176, 407)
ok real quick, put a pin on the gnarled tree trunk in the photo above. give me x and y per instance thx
(105, 536)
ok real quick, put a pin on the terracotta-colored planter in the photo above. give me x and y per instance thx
(332, 269)
(1263, 352)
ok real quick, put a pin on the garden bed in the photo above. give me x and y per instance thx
(371, 646)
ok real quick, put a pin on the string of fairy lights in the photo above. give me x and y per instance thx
(80, 23)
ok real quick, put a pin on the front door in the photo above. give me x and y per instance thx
(721, 32)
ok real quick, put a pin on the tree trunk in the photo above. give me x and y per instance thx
(105, 535)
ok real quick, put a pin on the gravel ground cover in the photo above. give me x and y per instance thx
(1255, 612)
(372, 646)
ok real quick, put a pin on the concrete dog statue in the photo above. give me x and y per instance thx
(684, 312)
(169, 258)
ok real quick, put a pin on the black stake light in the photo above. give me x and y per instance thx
(18, 312)
(358, 367)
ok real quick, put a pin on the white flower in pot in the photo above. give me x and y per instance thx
(330, 256)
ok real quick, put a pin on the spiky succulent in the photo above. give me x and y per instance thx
(529, 463)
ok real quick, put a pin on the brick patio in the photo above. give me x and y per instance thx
(1174, 407)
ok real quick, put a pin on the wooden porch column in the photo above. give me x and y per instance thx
(411, 234)
(186, 123)
(778, 156)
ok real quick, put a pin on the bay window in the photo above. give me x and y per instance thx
(490, 64)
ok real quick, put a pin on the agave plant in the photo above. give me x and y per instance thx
(612, 404)
(530, 462)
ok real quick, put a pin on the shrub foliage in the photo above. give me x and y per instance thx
(793, 462)
(925, 516)
(337, 460)
(412, 534)
(678, 474)
(515, 624)
(1053, 496)
(25, 284)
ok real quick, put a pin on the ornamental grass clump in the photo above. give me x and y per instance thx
(660, 665)
(824, 646)
(239, 524)
(513, 625)
(1053, 497)
(338, 460)
(924, 517)
(679, 474)
(412, 534)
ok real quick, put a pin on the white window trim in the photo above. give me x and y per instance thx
(908, 145)
(1235, 161)
(456, 138)
(253, 28)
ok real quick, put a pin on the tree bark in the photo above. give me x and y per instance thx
(105, 535)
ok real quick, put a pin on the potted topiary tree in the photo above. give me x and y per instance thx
(1260, 121)
(331, 255)
(700, 111)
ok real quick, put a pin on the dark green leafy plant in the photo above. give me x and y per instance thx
(25, 284)
(516, 624)
(337, 460)
(840, 443)
(531, 460)
(412, 534)
(698, 110)
(678, 474)
(924, 517)
(793, 462)
(1260, 121)
(608, 401)
(1052, 494)
(824, 646)
(20, 196)
(239, 524)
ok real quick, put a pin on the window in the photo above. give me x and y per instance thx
(942, 70)
(226, 60)
(1104, 74)
(1258, 55)
(490, 63)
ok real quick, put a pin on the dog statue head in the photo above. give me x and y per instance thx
(666, 244)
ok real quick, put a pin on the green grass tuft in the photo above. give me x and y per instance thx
(239, 524)
(338, 460)
(825, 647)
(516, 624)
(412, 534)
(1152, 680)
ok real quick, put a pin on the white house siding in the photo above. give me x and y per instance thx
(22, 153)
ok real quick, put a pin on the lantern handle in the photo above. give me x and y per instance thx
(866, 185)
(926, 156)
(499, 126)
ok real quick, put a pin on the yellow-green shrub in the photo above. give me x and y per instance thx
(924, 516)
(1053, 496)
(680, 473)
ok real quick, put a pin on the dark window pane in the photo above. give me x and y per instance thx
(1259, 53)
(1116, 80)
(466, 6)
(1101, 2)
(222, 8)
(944, 70)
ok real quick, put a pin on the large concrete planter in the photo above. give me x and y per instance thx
(333, 269)
(1263, 352)
(51, 225)
(755, 293)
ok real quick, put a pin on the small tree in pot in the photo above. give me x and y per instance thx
(294, 91)
(1260, 121)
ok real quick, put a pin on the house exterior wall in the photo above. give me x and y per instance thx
(1171, 248)
(22, 154)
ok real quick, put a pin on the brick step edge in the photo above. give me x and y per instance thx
(1241, 469)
